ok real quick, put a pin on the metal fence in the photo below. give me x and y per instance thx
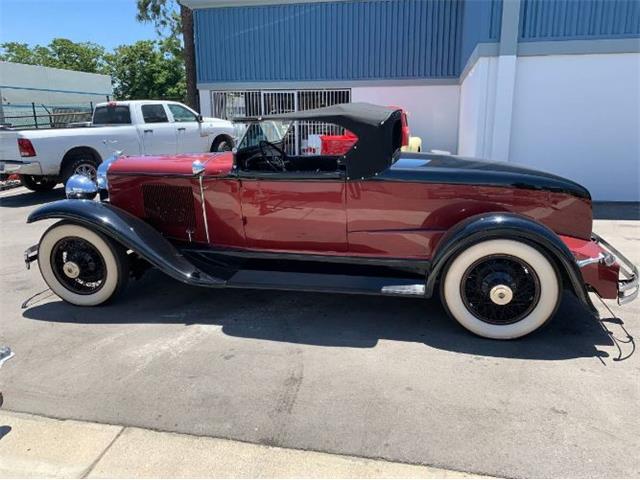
(255, 103)
(37, 115)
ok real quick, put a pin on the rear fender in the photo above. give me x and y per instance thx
(510, 226)
(129, 231)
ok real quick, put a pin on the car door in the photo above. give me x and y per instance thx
(158, 133)
(297, 213)
(188, 130)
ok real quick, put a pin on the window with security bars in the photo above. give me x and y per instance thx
(303, 137)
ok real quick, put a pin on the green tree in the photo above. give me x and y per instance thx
(146, 70)
(169, 25)
(60, 53)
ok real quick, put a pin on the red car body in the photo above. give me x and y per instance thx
(361, 218)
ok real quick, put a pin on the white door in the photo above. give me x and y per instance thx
(158, 133)
(188, 130)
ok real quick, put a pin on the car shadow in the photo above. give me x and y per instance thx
(28, 198)
(616, 211)
(330, 320)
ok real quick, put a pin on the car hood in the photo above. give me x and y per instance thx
(216, 164)
(432, 168)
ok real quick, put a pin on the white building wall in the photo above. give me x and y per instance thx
(574, 115)
(477, 91)
(579, 116)
(206, 109)
(432, 109)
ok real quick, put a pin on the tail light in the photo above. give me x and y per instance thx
(405, 130)
(26, 148)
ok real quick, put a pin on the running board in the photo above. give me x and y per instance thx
(330, 283)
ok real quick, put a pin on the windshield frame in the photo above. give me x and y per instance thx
(253, 121)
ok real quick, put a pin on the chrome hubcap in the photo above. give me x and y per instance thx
(87, 170)
(71, 269)
(501, 295)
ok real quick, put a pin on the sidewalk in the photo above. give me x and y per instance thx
(34, 446)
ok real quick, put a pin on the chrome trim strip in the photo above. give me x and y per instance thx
(204, 209)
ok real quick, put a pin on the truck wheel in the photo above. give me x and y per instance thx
(222, 144)
(81, 266)
(501, 289)
(80, 165)
(37, 183)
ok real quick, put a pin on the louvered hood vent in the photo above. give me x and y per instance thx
(166, 205)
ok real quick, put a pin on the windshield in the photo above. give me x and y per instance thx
(272, 131)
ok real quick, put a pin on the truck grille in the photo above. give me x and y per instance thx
(169, 206)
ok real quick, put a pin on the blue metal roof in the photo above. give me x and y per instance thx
(543, 20)
(480, 24)
(359, 40)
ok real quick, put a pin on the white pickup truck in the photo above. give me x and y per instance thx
(44, 158)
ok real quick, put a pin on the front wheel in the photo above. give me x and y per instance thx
(81, 266)
(501, 289)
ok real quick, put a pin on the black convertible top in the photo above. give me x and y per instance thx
(378, 129)
(365, 114)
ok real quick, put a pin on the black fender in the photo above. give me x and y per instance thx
(510, 226)
(131, 232)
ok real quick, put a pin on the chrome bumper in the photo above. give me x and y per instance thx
(30, 255)
(629, 285)
(20, 166)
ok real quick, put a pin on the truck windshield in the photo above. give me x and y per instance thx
(112, 115)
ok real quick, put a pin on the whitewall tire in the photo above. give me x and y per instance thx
(81, 266)
(501, 289)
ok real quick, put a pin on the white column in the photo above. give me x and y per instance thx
(206, 109)
(505, 81)
(487, 95)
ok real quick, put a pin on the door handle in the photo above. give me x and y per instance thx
(181, 129)
(148, 130)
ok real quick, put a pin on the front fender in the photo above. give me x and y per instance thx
(510, 226)
(129, 231)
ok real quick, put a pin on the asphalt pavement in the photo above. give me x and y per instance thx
(382, 378)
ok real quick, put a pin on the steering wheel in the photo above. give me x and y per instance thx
(277, 163)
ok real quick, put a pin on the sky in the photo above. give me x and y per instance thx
(106, 22)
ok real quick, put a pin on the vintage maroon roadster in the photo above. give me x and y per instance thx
(497, 241)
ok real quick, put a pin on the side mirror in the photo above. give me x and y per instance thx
(199, 118)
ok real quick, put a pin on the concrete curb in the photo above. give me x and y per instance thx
(35, 446)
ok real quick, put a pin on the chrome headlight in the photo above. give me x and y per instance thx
(103, 168)
(80, 187)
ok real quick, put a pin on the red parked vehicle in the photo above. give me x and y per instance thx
(341, 144)
(498, 242)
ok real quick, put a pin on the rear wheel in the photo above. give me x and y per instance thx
(501, 289)
(222, 144)
(38, 183)
(80, 165)
(81, 266)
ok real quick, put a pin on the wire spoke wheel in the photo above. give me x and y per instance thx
(86, 169)
(78, 265)
(500, 289)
